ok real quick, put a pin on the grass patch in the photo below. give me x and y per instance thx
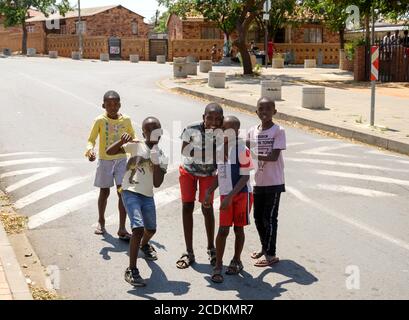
(43, 294)
(13, 223)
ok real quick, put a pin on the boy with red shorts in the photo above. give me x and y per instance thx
(235, 195)
(199, 170)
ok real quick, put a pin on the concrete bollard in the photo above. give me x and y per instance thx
(205, 66)
(75, 55)
(7, 52)
(217, 79)
(310, 63)
(134, 58)
(191, 68)
(104, 57)
(313, 98)
(31, 52)
(278, 63)
(179, 60)
(161, 59)
(271, 89)
(179, 70)
(53, 54)
(191, 59)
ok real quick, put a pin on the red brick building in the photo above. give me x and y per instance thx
(107, 21)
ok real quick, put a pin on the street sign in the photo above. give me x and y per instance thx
(374, 63)
(267, 6)
(266, 16)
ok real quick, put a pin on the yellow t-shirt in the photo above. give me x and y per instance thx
(109, 132)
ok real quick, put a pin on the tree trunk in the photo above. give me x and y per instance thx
(342, 38)
(241, 44)
(367, 28)
(24, 41)
(227, 45)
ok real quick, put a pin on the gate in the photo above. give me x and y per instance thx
(393, 62)
(114, 46)
(158, 47)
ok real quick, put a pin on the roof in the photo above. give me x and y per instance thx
(85, 12)
(190, 17)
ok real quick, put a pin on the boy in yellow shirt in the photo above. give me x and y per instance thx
(111, 169)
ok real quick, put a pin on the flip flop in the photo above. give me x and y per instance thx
(257, 255)
(126, 237)
(217, 276)
(266, 262)
(185, 261)
(100, 230)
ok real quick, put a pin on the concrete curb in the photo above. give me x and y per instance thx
(388, 144)
(14, 276)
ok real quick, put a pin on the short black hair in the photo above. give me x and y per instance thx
(234, 120)
(265, 100)
(214, 107)
(112, 95)
(150, 120)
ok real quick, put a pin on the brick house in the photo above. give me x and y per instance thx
(192, 27)
(114, 20)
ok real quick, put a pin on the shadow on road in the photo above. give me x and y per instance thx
(250, 288)
(117, 246)
(159, 283)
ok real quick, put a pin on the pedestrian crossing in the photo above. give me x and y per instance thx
(20, 170)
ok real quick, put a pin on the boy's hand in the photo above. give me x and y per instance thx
(125, 138)
(92, 156)
(227, 202)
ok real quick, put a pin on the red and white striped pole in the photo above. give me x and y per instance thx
(374, 78)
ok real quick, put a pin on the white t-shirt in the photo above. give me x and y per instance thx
(139, 178)
(263, 143)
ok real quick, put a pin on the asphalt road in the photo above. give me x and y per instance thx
(346, 210)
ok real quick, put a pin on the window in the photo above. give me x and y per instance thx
(30, 29)
(211, 33)
(83, 27)
(134, 28)
(313, 35)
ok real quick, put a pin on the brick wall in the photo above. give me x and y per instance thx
(66, 44)
(14, 41)
(297, 34)
(175, 28)
(359, 64)
(201, 49)
(135, 46)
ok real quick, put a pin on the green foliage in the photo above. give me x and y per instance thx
(161, 26)
(351, 46)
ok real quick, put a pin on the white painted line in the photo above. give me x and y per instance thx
(294, 144)
(363, 177)
(61, 209)
(386, 237)
(49, 190)
(353, 191)
(345, 164)
(25, 161)
(33, 178)
(322, 151)
(18, 154)
(25, 171)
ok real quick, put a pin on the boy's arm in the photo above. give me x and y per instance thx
(209, 192)
(92, 141)
(116, 148)
(237, 188)
(158, 171)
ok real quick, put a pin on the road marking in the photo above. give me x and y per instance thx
(386, 237)
(33, 178)
(353, 190)
(322, 151)
(61, 209)
(363, 177)
(345, 164)
(294, 144)
(26, 171)
(25, 161)
(49, 190)
(58, 89)
(18, 154)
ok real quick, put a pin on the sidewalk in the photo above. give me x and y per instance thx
(347, 103)
(13, 284)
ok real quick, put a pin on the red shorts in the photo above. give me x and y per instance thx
(238, 214)
(188, 186)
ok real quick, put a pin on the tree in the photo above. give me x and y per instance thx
(17, 11)
(229, 15)
(161, 26)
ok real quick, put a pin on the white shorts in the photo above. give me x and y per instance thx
(110, 173)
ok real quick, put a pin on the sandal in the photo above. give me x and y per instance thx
(234, 268)
(257, 255)
(150, 252)
(100, 230)
(212, 256)
(185, 261)
(266, 262)
(217, 276)
(125, 237)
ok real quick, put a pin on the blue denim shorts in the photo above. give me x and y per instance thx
(141, 210)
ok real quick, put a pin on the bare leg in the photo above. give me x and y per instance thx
(122, 216)
(210, 225)
(135, 242)
(188, 225)
(147, 236)
(220, 245)
(239, 243)
(102, 205)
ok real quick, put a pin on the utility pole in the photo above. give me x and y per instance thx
(81, 49)
(266, 18)
(373, 80)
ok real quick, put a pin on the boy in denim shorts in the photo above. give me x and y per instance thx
(111, 169)
(146, 169)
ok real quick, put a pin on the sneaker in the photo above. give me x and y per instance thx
(150, 252)
(133, 277)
